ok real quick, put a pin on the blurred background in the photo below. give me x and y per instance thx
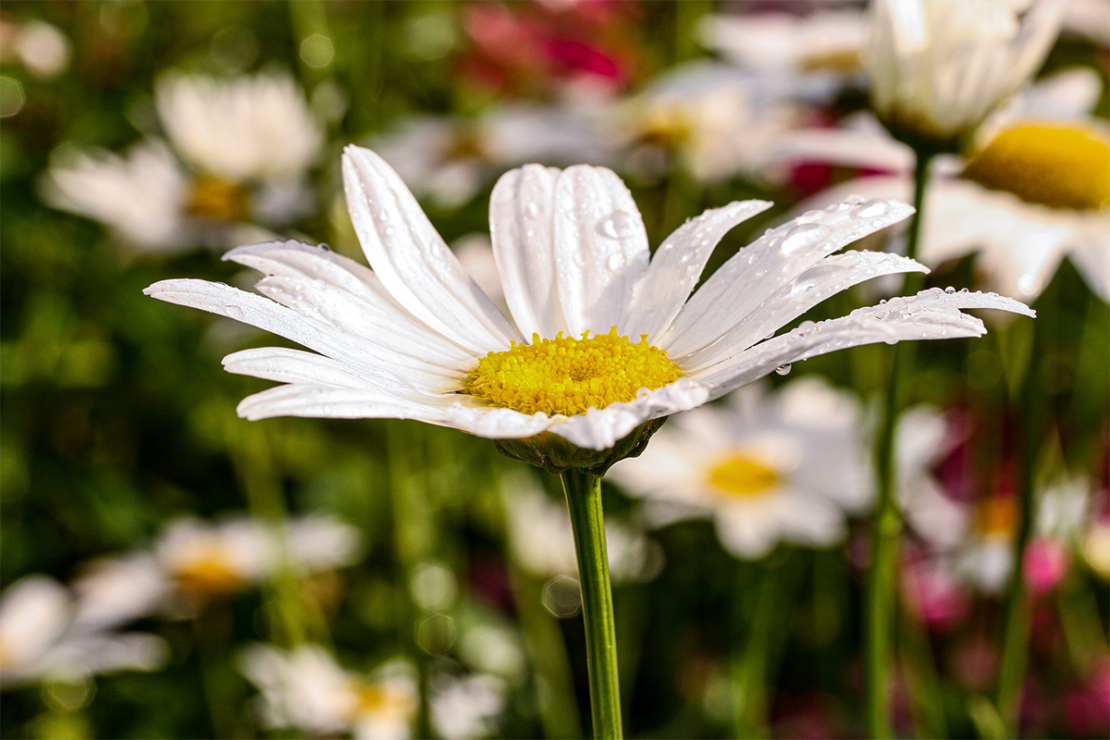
(170, 570)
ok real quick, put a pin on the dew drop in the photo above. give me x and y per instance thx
(801, 236)
(234, 312)
(873, 208)
(949, 290)
(533, 209)
(810, 217)
(615, 262)
(783, 369)
(617, 225)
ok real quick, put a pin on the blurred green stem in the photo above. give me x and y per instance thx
(887, 522)
(751, 669)
(583, 493)
(1015, 635)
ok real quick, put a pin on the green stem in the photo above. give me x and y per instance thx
(753, 670)
(584, 502)
(887, 522)
(1015, 635)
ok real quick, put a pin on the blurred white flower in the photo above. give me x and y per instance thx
(248, 143)
(193, 560)
(1089, 18)
(1036, 189)
(574, 259)
(542, 542)
(811, 55)
(788, 465)
(40, 640)
(467, 706)
(40, 47)
(938, 68)
(449, 159)
(721, 121)
(307, 689)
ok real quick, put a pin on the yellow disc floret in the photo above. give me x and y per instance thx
(742, 476)
(1052, 165)
(567, 376)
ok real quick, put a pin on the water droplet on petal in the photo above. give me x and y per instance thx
(533, 209)
(873, 208)
(617, 225)
(949, 290)
(783, 369)
(234, 312)
(803, 235)
(615, 262)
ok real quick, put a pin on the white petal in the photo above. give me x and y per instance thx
(931, 314)
(599, 429)
(757, 271)
(677, 265)
(828, 277)
(295, 366)
(337, 403)
(255, 310)
(413, 262)
(521, 224)
(601, 248)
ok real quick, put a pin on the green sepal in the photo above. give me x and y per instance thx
(555, 455)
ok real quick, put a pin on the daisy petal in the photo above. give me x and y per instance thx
(599, 429)
(263, 313)
(677, 265)
(524, 247)
(827, 278)
(413, 262)
(296, 366)
(931, 314)
(335, 403)
(601, 248)
(742, 284)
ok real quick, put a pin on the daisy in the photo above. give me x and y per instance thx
(720, 120)
(246, 144)
(417, 339)
(40, 639)
(307, 689)
(466, 706)
(938, 68)
(1036, 187)
(449, 159)
(813, 55)
(768, 467)
(193, 561)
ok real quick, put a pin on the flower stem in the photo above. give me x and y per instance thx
(887, 522)
(583, 492)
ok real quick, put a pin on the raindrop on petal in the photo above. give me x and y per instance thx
(783, 369)
(617, 225)
(803, 235)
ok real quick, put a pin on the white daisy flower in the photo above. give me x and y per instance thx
(720, 120)
(248, 143)
(467, 706)
(1036, 190)
(814, 53)
(417, 339)
(937, 68)
(39, 639)
(40, 47)
(449, 159)
(193, 561)
(307, 689)
(542, 542)
(786, 466)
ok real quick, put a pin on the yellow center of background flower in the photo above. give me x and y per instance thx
(1051, 165)
(996, 517)
(741, 476)
(209, 573)
(218, 199)
(567, 376)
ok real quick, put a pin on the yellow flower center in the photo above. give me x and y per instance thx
(218, 199)
(1054, 166)
(741, 476)
(209, 573)
(835, 60)
(372, 700)
(996, 517)
(567, 376)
